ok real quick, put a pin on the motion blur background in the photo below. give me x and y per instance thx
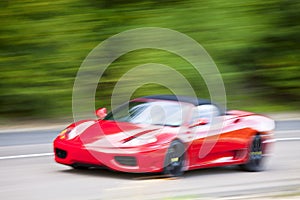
(254, 43)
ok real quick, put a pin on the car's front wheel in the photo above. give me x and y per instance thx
(174, 160)
(255, 161)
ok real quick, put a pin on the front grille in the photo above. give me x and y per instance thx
(126, 160)
(60, 153)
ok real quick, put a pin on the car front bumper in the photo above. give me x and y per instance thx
(135, 159)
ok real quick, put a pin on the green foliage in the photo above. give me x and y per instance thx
(272, 61)
(42, 44)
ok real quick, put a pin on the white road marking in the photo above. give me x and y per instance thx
(26, 156)
(281, 139)
(286, 139)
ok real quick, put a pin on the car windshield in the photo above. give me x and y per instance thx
(167, 113)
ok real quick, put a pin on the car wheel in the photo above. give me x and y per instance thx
(174, 160)
(255, 161)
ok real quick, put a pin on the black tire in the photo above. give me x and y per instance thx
(174, 160)
(256, 155)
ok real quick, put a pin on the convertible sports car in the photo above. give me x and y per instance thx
(166, 133)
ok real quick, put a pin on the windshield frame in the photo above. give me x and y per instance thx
(185, 109)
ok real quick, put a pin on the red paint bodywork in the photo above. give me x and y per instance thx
(102, 140)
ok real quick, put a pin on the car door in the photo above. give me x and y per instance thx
(213, 141)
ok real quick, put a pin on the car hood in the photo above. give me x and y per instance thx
(120, 134)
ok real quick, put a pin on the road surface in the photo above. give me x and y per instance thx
(27, 171)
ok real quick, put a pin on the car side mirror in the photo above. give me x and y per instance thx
(101, 113)
(199, 122)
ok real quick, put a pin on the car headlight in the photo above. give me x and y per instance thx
(71, 132)
(64, 133)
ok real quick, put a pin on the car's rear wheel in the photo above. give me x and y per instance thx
(174, 160)
(255, 161)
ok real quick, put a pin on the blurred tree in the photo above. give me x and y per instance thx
(42, 44)
(273, 62)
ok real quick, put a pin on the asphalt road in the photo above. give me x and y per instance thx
(27, 171)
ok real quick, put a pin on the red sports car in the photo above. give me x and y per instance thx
(166, 133)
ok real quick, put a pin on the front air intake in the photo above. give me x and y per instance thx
(126, 160)
(60, 153)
